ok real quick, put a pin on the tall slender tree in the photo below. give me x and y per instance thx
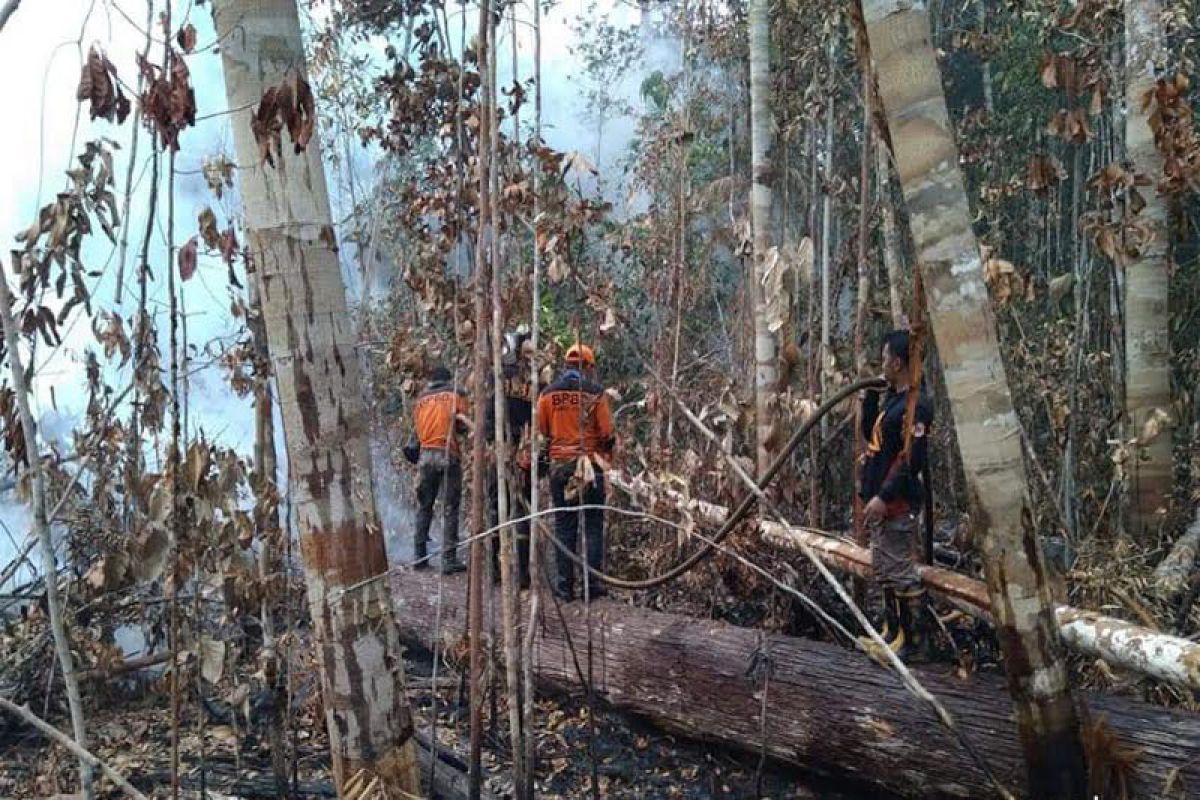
(478, 386)
(988, 430)
(1147, 321)
(762, 132)
(311, 341)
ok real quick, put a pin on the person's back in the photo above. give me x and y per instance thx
(435, 412)
(574, 413)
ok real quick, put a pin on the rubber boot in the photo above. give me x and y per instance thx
(913, 618)
(450, 563)
(889, 629)
(421, 554)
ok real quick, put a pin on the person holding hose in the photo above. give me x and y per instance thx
(893, 496)
(575, 417)
(439, 415)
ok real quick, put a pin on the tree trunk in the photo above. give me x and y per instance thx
(508, 585)
(862, 307)
(762, 132)
(987, 426)
(891, 238)
(826, 349)
(830, 711)
(309, 333)
(527, 791)
(266, 522)
(41, 526)
(478, 386)
(1147, 317)
(989, 102)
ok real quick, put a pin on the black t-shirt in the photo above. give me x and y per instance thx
(518, 402)
(883, 473)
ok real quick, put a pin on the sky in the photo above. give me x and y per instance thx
(41, 50)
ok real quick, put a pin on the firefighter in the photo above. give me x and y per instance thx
(893, 495)
(518, 407)
(438, 417)
(574, 415)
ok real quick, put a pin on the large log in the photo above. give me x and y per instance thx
(831, 710)
(1123, 644)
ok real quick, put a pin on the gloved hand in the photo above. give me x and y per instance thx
(412, 451)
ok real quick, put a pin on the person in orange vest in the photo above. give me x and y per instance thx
(438, 416)
(574, 416)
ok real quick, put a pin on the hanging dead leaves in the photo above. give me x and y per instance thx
(188, 257)
(1043, 172)
(218, 174)
(1078, 77)
(1174, 126)
(109, 330)
(14, 434)
(225, 242)
(168, 101)
(289, 105)
(99, 86)
(50, 257)
(1003, 278)
(1115, 227)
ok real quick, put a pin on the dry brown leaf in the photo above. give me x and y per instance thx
(187, 259)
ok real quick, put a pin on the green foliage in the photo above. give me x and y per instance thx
(656, 91)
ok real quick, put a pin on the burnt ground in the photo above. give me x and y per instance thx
(130, 729)
(632, 758)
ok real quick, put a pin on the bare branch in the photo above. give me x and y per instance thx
(54, 733)
(7, 11)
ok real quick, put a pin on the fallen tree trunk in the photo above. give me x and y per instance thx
(830, 710)
(1122, 644)
(1172, 574)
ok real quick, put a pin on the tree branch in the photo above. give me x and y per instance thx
(54, 733)
(7, 11)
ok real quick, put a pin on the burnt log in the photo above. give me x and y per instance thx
(831, 711)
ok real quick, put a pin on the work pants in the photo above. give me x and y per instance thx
(440, 473)
(518, 502)
(894, 552)
(566, 525)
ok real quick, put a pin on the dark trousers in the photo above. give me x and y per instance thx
(518, 501)
(439, 474)
(566, 525)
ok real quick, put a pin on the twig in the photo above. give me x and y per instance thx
(54, 733)
(7, 11)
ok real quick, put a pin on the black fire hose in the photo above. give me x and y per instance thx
(927, 485)
(743, 508)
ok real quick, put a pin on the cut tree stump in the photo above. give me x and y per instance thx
(831, 710)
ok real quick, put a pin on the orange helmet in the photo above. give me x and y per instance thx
(581, 353)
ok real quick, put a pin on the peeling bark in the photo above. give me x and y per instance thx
(289, 229)
(988, 430)
(1147, 278)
